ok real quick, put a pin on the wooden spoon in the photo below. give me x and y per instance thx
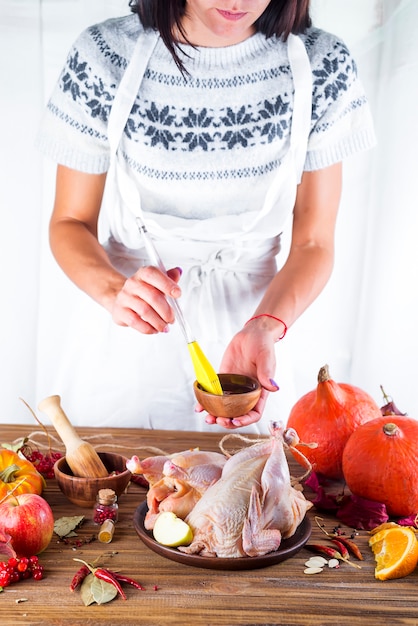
(80, 455)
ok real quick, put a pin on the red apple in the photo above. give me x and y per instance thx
(29, 521)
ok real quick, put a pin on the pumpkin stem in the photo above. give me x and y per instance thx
(390, 429)
(385, 396)
(11, 492)
(8, 474)
(324, 375)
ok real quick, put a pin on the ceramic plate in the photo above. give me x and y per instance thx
(288, 548)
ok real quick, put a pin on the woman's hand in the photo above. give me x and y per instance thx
(251, 352)
(251, 417)
(142, 302)
(139, 301)
(292, 290)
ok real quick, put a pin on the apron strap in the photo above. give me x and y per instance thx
(302, 104)
(128, 88)
(289, 173)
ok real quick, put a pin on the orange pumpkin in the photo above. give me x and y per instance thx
(380, 462)
(327, 416)
(18, 475)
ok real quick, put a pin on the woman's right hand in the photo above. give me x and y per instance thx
(139, 301)
(142, 302)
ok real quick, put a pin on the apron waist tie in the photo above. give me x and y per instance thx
(199, 259)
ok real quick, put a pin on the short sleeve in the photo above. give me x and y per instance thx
(341, 119)
(73, 131)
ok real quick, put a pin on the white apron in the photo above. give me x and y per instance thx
(134, 380)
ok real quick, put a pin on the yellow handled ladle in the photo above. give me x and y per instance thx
(205, 373)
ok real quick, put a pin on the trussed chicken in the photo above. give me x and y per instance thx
(252, 507)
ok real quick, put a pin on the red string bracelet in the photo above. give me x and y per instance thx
(272, 317)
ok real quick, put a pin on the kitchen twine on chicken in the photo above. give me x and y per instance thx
(293, 439)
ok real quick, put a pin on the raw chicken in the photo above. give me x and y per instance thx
(252, 507)
(152, 468)
(184, 478)
(170, 494)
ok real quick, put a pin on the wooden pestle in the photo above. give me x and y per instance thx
(80, 455)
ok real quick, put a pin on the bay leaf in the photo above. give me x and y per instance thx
(95, 590)
(102, 591)
(85, 590)
(66, 525)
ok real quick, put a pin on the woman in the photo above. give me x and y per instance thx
(227, 127)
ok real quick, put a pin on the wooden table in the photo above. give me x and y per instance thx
(279, 594)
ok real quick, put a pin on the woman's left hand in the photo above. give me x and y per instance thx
(251, 417)
(251, 352)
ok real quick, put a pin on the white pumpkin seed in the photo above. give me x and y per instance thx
(333, 563)
(316, 561)
(313, 570)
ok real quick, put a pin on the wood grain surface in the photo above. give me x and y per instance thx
(280, 594)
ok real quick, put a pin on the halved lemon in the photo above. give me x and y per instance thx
(395, 551)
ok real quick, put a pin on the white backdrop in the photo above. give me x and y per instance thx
(364, 323)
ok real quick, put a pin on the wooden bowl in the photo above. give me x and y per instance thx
(241, 394)
(83, 491)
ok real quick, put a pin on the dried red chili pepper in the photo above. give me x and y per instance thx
(106, 576)
(125, 579)
(79, 576)
(331, 553)
(341, 548)
(338, 535)
(351, 546)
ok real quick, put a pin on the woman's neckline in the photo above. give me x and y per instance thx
(196, 56)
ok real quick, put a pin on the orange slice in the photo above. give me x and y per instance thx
(395, 551)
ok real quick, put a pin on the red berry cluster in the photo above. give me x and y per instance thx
(16, 569)
(103, 512)
(44, 463)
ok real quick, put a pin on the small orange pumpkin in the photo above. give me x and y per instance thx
(380, 462)
(327, 416)
(18, 475)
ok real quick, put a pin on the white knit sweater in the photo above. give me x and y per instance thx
(207, 144)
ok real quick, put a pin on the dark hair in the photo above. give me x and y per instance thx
(280, 18)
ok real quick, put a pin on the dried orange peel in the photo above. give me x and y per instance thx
(395, 550)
